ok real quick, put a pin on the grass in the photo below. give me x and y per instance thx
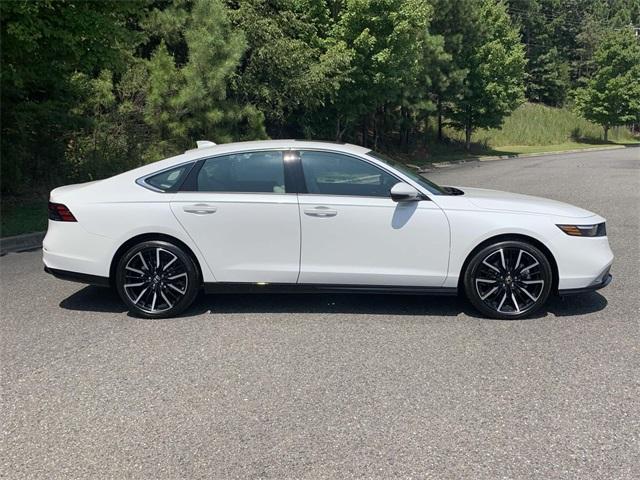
(20, 215)
(531, 128)
(535, 124)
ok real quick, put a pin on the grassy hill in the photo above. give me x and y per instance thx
(531, 128)
(535, 124)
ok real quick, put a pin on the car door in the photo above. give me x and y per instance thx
(353, 233)
(241, 217)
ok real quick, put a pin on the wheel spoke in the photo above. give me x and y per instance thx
(153, 302)
(134, 270)
(177, 276)
(181, 292)
(485, 280)
(486, 295)
(515, 304)
(518, 260)
(129, 285)
(526, 292)
(502, 301)
(144, 263)
(526, 269)
(157, 259)
(140, 296)
(504, 264)
(166, 299)
(532, 282)
(169, 263)
(484, 262)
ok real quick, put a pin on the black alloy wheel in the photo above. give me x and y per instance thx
(157, 279)
(508, 280)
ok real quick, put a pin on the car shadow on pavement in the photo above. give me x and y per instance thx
(94, 299)
(99, 299)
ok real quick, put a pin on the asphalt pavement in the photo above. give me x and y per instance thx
(335, 386)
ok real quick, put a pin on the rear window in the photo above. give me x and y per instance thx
(168, 179)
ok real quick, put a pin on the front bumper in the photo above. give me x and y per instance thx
(601, 282)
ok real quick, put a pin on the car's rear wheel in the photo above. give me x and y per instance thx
(508, 280)
(157, 279)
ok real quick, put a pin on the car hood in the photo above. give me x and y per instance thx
(514, 202)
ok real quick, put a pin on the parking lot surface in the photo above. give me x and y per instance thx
(335, 386)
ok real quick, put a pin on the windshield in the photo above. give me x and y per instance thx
(412, 174)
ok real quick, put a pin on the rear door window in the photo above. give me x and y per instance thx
(250, 172)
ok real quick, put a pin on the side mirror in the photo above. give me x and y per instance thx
(403, 192)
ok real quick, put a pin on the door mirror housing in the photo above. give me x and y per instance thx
(403, 192)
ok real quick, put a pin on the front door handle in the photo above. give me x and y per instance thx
(320, 212)
(200, 209)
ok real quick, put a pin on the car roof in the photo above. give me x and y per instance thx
(208, 150)
(236, 147)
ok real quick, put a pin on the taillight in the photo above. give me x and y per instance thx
(60, 213)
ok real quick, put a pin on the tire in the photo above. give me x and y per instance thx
(508, 280)
(157, 279)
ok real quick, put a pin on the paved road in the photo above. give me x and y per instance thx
(335, 386)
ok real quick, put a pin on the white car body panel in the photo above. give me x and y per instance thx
(373, 241)
(264, 230)
(269, 238)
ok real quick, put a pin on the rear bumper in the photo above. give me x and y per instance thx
(78, 277)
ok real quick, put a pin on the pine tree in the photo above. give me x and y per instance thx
(495, 61)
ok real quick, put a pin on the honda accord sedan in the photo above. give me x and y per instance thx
(303, 216)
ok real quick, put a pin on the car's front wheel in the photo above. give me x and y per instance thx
(508, 279)
(157, 279)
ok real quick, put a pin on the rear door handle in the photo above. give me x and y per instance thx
(320, 212)
(200, 209)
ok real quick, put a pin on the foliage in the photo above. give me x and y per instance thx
(495, 62)
(191, 100)
(89, 89)
(289, 67)
(43, 45)
(612, 96)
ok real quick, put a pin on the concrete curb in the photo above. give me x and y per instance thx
(21, 243)
(494, 158)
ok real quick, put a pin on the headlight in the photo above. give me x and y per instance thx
(597, 230)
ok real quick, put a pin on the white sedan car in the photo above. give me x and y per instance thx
(306, 216)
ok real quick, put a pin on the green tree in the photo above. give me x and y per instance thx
(43, 45)
(190, 78)
(612, 96)
(387, 39)
(494, 84)
(291, 67)
(547, 71)
(456, 23)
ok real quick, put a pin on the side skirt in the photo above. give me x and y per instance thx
(233, 287)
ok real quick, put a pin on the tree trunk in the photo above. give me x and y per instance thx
(439, 119)
(467, 136)
(606, 133)
(364, 131)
